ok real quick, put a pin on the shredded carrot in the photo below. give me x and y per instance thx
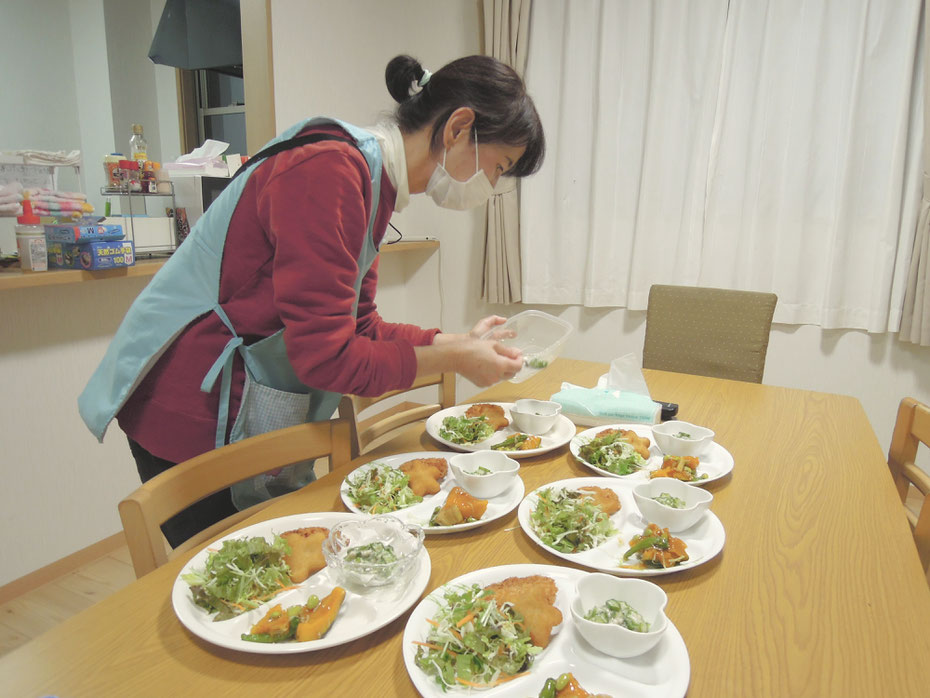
(427, 644)
(432, 622)
(464, 620)
(505, 679)
(457, 635)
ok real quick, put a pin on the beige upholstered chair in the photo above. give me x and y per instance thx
(370, 431)
(912, 428)
(708, 331)
(166, 494)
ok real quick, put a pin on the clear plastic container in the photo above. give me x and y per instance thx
(538, 335)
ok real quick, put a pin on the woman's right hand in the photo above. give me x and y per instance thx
(486, 362)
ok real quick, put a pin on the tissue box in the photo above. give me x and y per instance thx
(593, 407)
(91, 255)
(81, 233)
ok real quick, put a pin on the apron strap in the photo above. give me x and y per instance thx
(224, 365)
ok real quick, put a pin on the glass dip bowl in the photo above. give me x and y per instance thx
(373, 552)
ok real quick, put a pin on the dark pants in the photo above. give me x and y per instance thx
(196, 517)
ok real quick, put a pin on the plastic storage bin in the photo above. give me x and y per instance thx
(538, 335)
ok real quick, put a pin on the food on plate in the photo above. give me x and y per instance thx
(570, 521)
(618, 612)
(459, 507)
(518, 442)
(242, 575)
(670, 500)
(375, 558)
(494, 414)
(301, 623)
(615, 451)
(480, 639)
(566, 686)
(425, 474)
(381, 489)
(533, 598)
(606, 499)
(656, 548)
(465, 430)
(306, 556)
(682, 468)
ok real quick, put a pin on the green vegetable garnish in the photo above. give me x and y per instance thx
(381, 489)
(569, 521)
(511, 443)
(613, 454)
(480, 471)
(670, 501)
(240, 576)
(682, 435)
(465, 430)
(369, 558)
(492, 643)
(618, 613)
(536, 362)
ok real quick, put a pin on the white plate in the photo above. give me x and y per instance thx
(420, 513)
(716, 462)
(704, 539)
(360, 614)
(560, 434)
(663, 671)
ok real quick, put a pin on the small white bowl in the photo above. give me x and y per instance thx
(697, 500)
(676, 438)
(535, 416)
(467, 469)
(645, 597)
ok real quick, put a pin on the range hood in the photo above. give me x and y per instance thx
(199, 34)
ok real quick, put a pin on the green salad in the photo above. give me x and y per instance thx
(472, 642)
(618, 613)
(613, 454)
(240, 576)
(381, 489)
(465, 430)
(569, 521)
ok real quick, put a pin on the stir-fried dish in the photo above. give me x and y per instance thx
(475, 641)
(570, 521)
(518, 442)
(617, 451)
(566, 686)
(682, 468)
(381, 489)
(466, 430)
(240, 576)
(310, 621)
(654, 547)
(618, 612)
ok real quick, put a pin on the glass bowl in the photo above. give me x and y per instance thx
(373, 552)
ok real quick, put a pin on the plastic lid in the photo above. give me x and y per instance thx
(28, 217)
(137, 128)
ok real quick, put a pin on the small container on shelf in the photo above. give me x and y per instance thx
(30, 240)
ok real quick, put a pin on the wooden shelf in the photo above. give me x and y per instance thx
(14, 278)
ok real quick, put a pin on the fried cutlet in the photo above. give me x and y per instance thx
(493, 413)
(425, 474)
(306, 555)
(639, 443)
(533, 598)
(606, 500)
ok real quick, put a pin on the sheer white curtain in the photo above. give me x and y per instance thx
(743, 144)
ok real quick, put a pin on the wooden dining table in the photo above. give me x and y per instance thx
(817, 592)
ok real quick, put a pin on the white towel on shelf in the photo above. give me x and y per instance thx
(9, 210)
(48, 157)
(11, 188)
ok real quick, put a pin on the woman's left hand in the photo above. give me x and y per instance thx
(486, 324)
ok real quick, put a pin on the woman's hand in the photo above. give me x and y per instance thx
(482, 361)
(485, 324)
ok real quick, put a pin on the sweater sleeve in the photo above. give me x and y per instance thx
(316, 214)
(371, 324)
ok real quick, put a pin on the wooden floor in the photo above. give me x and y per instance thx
(36, 611)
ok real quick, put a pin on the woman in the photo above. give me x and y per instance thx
(266, 315)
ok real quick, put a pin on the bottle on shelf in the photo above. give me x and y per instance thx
(138, 147)
(30, 240)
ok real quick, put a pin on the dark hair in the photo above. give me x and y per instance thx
(504, 112)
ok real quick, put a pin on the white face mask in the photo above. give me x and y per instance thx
(448, 192)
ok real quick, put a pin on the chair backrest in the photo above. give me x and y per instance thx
(370, 431)
(708, 331)
(160, 498)
(912, 428)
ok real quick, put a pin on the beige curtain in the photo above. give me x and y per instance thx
(915, 318)
(506, 25)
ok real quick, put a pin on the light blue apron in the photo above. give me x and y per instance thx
(188, 287)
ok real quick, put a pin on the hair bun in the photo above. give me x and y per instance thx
(399, 76)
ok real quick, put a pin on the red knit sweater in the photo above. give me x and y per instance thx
(289, 261)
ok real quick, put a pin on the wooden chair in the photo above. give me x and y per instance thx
(371, 431)
(708, 331)
(165, 495)
(912, 428)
